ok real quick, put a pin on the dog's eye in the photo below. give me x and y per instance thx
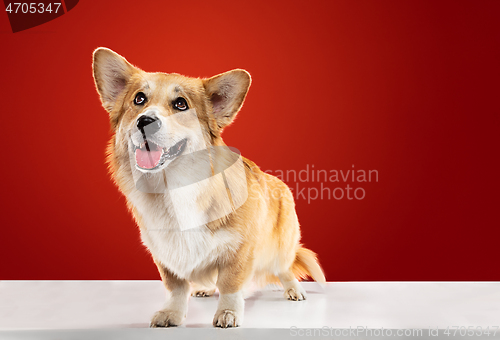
(180, 104)
(140, 99)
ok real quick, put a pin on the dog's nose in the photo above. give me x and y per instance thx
(153, 124)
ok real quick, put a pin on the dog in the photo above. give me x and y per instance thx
(210, 218)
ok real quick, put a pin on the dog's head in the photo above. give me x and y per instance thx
(160, 116)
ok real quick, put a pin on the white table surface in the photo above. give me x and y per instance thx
(122, 305)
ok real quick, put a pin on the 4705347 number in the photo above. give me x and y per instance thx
(32, 7)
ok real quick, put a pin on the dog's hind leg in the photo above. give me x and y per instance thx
(293, 289)
(199, 290)
(305, 265)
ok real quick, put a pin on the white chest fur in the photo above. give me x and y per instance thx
(183, 252)
(186, 252)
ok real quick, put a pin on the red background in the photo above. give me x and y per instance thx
(409, 88)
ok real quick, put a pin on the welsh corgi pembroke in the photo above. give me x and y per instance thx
(210, 218)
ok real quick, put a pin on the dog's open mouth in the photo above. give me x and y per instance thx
(150, 155)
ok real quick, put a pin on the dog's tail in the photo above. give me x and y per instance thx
(306, 265)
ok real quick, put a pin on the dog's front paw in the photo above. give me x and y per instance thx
(295, 294)
(226, 318)
(167, 318)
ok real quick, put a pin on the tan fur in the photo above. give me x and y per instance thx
(258, 240)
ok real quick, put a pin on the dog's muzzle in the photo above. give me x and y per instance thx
(148, 125)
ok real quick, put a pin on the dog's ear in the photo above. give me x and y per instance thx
(227, 91)
(111, 75)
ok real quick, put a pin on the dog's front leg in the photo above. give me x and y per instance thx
(175, 309)
(231, 278)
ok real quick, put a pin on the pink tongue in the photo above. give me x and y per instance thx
(148, 160)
